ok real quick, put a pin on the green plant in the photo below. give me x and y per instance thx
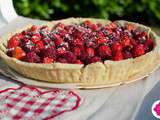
(146, 11)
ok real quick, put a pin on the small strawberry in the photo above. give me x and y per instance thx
(18, 53)
(118, 56)
(116, 47)
(48, 60)
(138, 50)
(13, 42)
(90, 52)
(104, 51)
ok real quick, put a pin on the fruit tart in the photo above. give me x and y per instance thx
(84, 51)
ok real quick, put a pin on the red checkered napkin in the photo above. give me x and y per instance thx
(29, 103)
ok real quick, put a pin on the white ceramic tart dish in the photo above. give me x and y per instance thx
(109, 73)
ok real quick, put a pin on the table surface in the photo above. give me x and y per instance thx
(120, 102)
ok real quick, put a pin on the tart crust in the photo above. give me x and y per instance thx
(96, 74)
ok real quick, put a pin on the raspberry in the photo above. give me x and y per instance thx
(32, 57)
(138, 50)
(58, 42)
(104, 51)
(126, 41)
(62, 60)
(77, 42)
(70, 57)
(100, 41)
(36, 37)
(116, 47)
(78, 62)
(48, 52)
(76, 51)
(90, 52)
(39, 45)
(48, 60)
(118, 56)
(94, 59)
(60, 51)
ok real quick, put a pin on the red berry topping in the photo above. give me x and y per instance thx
(138, 50)
(90, 52)
(32, 57)
(116, 47)
(18, 53)
(48, 60)
(118, 56)
(104, 51)
(83, 43)
(13, 42)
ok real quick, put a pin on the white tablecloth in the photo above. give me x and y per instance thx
(121, 102)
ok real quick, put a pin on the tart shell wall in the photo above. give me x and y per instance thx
(111, 72)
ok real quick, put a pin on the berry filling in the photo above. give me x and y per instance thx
(82, 43)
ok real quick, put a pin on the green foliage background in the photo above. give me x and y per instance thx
(143, 11)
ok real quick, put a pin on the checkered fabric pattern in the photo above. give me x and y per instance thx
(30, 103)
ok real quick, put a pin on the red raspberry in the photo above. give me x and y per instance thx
(116, 47)
(100, 41)
(94, 59)
(58, 42)
(76, 51)
(77, 42)
(78, 62)
(90, 44)
(70, 57)
(39, 45)
(32, 57)
(36, 37)
(60, 51)
(118, 56)
(138, 50)
(13, 42)
(62, 60)
(90, 52)
(126, 41)
(49, 52)
(104, 51)
(48, 60)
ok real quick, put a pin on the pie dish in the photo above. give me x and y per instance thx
(101, 65)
